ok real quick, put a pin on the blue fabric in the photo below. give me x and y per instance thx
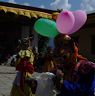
(17, 78)
(77, 89)
(85, 85)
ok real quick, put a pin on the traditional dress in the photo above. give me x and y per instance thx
(27, 53)
(25, 70)
(48, 60)
(84, 85)
(79, 73)
(48, 63)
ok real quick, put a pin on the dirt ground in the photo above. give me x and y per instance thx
(7, 75)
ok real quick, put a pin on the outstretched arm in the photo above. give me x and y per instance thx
(81, 57)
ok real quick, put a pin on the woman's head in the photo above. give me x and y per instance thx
(64, 46)
(64, 42)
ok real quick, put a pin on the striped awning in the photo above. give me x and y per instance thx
(28, 13)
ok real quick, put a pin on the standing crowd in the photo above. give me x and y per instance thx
(73, 74)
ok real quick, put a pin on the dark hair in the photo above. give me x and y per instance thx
(61, 42)
(31, 36)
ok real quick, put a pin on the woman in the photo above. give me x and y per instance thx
(82, 82)
(79, 78)
(25, 69)
(48, 60)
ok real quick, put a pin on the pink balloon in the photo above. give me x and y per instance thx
(65, 22)
(80, 19)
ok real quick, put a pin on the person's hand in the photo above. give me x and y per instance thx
(61, 81)
(59, 73)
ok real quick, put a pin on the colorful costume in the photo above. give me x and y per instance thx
(25, 70)
(79, 73)
(27, 53)
(48, 63)
(48, 60)
(85, 84)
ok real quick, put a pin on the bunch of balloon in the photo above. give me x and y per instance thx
(65, 22)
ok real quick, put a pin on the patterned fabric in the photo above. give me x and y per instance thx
(27, 53)
(25, 66)
(16, 85)
(77, 89)
(84, 85)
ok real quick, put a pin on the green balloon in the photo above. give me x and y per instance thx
(46, 27)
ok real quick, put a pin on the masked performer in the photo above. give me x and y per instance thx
(25, 69)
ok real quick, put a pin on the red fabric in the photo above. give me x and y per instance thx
(75, 52)
(77, 55)
(24, 66)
